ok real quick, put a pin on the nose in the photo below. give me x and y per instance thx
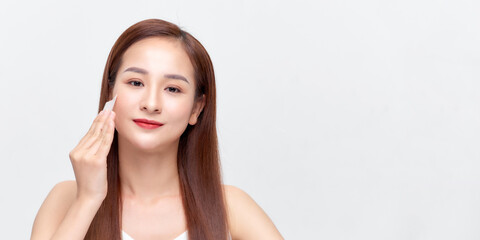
(151, 101)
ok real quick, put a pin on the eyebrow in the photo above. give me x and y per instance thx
(145, 72)
(136, 70)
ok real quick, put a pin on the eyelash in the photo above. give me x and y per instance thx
(176, 90)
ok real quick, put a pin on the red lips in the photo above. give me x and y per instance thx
(143, 120)
(146, 123)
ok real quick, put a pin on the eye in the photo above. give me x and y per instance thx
(173, 90)
(134, 83)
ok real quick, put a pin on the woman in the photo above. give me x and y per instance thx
(156, 180)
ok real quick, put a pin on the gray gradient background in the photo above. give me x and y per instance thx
(342, 119)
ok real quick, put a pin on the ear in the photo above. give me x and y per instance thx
(197, 109)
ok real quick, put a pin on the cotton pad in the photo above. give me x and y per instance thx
(109, 104)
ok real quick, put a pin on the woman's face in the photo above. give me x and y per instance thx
(155, 81)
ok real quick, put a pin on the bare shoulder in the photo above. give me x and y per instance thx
(53, 209)
(246, 218)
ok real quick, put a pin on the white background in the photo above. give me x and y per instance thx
(342, 119)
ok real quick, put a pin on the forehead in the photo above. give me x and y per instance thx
(158, 55)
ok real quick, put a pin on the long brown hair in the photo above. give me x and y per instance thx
(198, 159)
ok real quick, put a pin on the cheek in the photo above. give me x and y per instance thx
(123, 106)
(179, 109)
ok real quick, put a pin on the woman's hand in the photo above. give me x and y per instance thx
(89, 158)
(67, 212)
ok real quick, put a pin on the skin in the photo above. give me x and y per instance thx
(152, 206)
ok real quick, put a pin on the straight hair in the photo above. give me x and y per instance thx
(198, 161)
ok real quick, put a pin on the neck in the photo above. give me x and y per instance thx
(148, 176)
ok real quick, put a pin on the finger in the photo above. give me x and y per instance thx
(100, 121)
(107, 140)
(108, 129)
(98, 130)
(93, 127)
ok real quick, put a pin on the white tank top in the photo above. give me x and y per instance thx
(182, 236)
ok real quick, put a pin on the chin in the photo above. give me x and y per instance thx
(148, 144)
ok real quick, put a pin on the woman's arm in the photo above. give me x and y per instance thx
(69, 208)
(247, 220)
(62, 215)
